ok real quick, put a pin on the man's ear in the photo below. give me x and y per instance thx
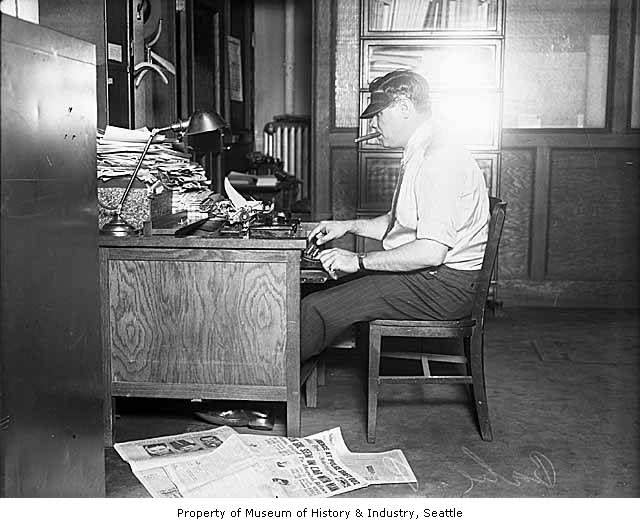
(405, 106)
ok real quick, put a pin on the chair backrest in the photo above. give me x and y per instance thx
(498, 210)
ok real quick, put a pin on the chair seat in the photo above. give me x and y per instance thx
(399, 328)
(457, 323)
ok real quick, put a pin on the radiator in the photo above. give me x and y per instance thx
(287, 139)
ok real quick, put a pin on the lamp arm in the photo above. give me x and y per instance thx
(153, 134)
(177, 127)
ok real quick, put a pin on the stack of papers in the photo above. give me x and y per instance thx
(119, 150)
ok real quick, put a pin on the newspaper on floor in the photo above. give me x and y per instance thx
(223, 464)
(150, 458)
(388, 467)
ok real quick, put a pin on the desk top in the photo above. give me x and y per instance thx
(169, 241)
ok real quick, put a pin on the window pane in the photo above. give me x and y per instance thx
(434, 15)
(635, 93)
(447, 65)
(556, 60)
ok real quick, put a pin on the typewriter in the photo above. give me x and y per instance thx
(278, 225)
(273, 225)
(268, 225)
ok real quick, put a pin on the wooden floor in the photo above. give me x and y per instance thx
(564, 396)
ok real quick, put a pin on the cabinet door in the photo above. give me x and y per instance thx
(119, 63)
(431, 16)
(378, 176)
(446, 64)
(141, 61)
(380, 172)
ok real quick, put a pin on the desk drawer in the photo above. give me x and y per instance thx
(197, 322)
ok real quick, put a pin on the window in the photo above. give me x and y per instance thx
(556, 63)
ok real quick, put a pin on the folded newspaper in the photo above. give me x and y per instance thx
(220, 463)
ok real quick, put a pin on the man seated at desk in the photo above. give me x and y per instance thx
(434, 234)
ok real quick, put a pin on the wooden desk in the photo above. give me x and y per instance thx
(208, 318)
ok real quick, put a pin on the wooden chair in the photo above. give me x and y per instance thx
(470, 330)
(313, 371)
(309, 374)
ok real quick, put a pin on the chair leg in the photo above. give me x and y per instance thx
(322, 372)
(474, 346)
(426, 371)
(311, 388)
(375, 341)
(309, 381)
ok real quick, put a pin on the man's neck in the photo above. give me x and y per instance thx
(420, 128)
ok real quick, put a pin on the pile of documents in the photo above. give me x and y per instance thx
(119, 150)
(220, 463)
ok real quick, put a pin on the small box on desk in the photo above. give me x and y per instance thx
(139, 206)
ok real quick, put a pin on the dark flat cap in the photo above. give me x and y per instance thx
(377, 103)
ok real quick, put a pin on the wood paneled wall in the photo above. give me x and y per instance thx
(571, 232)
(344, 182)
(517, 176)
(595, 218)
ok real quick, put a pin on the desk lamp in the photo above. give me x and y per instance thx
(200, 122)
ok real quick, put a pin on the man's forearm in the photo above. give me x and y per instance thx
(370, 227)
(421, 253)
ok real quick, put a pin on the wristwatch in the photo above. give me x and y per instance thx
(361, 261)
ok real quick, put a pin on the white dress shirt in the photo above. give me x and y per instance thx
(443, 197)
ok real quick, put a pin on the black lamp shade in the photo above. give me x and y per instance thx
(204, 121)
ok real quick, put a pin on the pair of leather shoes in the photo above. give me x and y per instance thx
(252, 418)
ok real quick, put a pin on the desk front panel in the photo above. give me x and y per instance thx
(198, 317)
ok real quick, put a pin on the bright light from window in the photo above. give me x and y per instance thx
(472, 117)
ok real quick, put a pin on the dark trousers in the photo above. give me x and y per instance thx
(435, 294)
